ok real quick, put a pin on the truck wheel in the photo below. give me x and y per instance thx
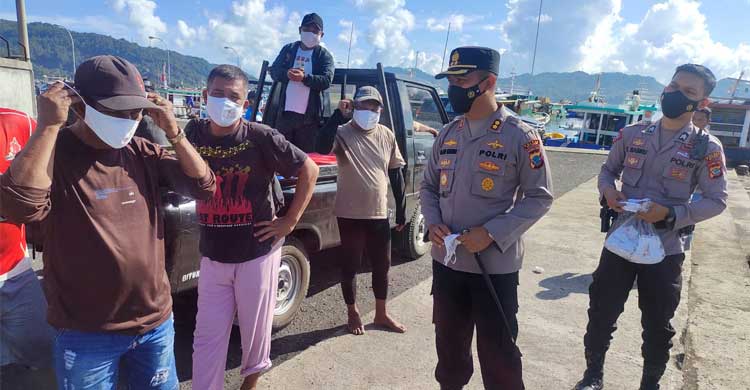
(414, 245)
(294, 279)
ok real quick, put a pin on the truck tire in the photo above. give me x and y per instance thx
(294, 280)
(413, 236)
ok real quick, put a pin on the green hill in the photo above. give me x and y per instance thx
(51, 53)
(577, 86)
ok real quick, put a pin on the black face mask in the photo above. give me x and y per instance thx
(462, 98)
(675, 103)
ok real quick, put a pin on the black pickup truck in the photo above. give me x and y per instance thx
(317, 230)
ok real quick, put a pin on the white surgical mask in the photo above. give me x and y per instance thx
(223, 111)
(366, 119)
(113, 131)
(310, 39)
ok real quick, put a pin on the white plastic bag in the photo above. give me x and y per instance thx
(636, 241)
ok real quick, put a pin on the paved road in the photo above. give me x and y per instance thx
(323, 312)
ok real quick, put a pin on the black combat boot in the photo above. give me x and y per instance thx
(593, 377)
(651, 376)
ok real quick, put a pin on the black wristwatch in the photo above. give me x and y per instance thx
(670, 218)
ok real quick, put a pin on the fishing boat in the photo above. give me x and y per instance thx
(593, 124)
(730, 121)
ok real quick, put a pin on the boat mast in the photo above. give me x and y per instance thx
(734, 88)
(536, 40)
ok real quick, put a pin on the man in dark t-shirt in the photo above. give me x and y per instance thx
(240, 236)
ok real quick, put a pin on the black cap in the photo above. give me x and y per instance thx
(112, 82)
(470, 58)
(313, 18)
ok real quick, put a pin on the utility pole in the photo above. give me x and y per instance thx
(349, 53)
(23, 33)
(169, 65)
(536, 40)
(416, 62)
(235, 52)
(445, 48)
(73, 49)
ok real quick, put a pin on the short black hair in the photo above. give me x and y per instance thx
(706, 111)
(229, 72)
(709, 80)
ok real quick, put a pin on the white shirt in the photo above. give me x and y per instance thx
(297, 94)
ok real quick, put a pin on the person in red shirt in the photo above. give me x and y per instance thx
(26, 336)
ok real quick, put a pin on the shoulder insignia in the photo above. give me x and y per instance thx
(536, 160)
(532, 145)
(496, 124)
(649, 130)
(715, 170)
(713, 156)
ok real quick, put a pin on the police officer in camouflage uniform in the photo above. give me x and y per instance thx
(487, 180)
(666, 162)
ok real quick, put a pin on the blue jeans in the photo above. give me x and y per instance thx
(25, 335)
(91, 360)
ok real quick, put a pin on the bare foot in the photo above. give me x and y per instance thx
(355, 325)
(389, 323)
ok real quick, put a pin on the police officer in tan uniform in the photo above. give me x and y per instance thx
(666, 162)
(487, 180)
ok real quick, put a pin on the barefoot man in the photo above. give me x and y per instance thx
(368, 158)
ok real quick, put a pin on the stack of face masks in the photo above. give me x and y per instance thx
(636, 241)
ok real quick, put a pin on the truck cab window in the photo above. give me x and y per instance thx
(425, 113)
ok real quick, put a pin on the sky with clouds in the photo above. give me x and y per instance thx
(631, 36)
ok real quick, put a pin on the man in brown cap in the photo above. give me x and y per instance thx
(369, 159)
(97, 191)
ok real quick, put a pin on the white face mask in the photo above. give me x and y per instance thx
(115, 132)
(223, 111)
(366, 119)
(310, 39)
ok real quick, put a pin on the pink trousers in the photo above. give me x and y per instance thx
(247, 289)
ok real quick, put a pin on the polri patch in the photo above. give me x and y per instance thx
(715, 170)
(536, 160)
